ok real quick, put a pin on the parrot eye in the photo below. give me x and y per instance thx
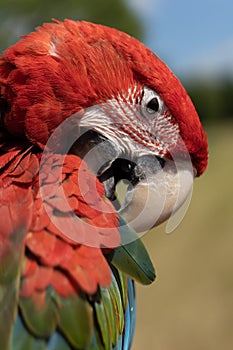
(151, 103)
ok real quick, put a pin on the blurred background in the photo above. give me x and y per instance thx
(190, 306)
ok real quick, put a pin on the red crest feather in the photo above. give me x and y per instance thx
(66, 66)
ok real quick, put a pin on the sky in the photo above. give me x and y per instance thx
(192, 37)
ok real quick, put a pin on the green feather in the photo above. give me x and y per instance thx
(84, 322)
(103, 325)
(123, 286)
(117, 305)
(76, 321)
(40, 319)
(23, 340)
(10, 267)
(109, 311)
(132, 258)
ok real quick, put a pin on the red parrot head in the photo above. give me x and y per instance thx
(131, 116)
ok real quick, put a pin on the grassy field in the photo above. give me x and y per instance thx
(190, 306)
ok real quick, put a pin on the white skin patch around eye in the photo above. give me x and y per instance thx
(163, 125)
(131, 126)
(150, 109)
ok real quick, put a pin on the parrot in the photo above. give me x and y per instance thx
(85, 107)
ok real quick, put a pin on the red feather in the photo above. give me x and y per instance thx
(65, 67)
(51, 74)
(49, 252)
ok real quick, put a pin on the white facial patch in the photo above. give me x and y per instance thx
(131, 126)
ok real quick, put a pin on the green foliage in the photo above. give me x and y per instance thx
(213, 99)
(19, 17)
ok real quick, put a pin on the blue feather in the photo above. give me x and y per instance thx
(22, 339)
(125, 341)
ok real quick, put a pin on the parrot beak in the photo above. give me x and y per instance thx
(156, 187)
(159, 195)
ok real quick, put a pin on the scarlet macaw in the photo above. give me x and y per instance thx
(82, 107)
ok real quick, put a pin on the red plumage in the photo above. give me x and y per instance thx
(79, 64)
(45, 78)
(57, 227)
(49, 252)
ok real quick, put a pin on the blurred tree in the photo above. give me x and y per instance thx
(18, 17)
(212, 98)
